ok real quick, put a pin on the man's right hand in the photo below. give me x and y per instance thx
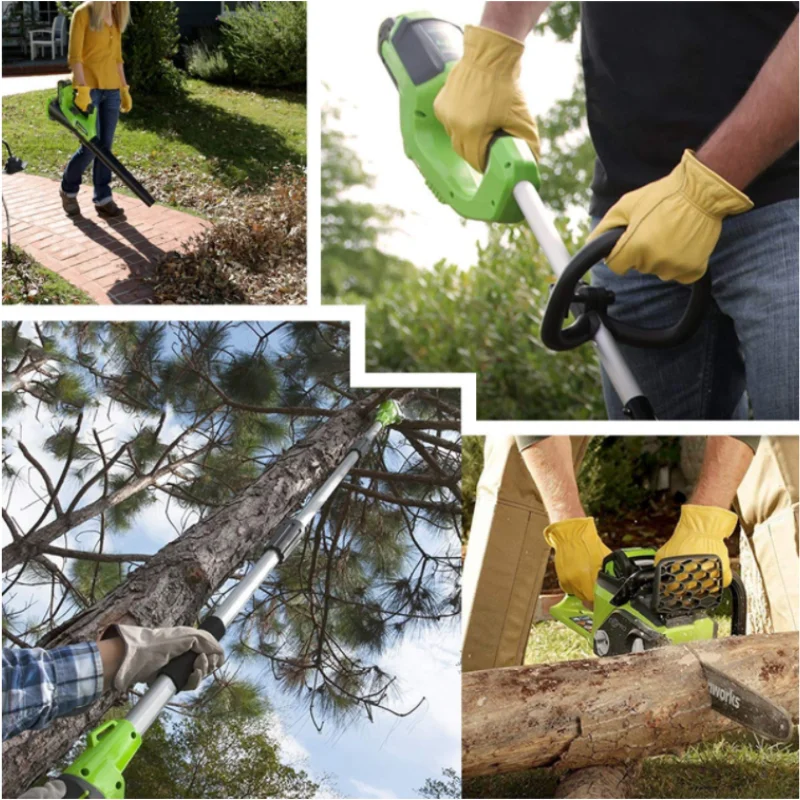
(579, 556)
(482, 96)
(83, 97)
(147, 650)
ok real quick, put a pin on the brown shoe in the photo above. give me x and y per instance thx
(70, 205)
(110, 210)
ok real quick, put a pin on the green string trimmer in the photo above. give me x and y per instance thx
(98, 771)
(419, 50)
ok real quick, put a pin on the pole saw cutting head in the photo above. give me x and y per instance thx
(640, 605)
(419, 51)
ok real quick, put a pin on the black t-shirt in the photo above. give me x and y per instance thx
(660, 77)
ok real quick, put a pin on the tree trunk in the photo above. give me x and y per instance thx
(595, 712)
(599, 782)
(173, 586)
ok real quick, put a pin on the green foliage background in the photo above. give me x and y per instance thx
(485, 319)
(614, 477)
(265, 45)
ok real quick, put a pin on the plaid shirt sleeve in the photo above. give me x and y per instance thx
(41, 685)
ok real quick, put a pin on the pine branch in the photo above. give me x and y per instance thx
(103, 558)
(401, 501)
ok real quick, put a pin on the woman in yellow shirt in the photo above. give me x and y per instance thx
(98, 75)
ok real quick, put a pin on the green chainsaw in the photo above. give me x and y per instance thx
(640, 605)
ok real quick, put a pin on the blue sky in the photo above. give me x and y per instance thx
(390, 757)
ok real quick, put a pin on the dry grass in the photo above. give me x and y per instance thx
(254, 254)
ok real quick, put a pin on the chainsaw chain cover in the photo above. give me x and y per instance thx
(623, 633)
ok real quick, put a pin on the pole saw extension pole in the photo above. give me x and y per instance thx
(98, 771)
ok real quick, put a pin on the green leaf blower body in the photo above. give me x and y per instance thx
(62, 109)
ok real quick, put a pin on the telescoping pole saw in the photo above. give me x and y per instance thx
(98, 771)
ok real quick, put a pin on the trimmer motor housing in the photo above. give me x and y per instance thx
(639, 605)
(419, 50)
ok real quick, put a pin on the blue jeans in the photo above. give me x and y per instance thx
(107, 102)
(746, 351)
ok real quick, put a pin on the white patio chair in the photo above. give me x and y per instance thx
(55, 37)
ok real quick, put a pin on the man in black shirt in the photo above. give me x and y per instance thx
(693, 111)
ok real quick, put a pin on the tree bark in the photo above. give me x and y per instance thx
(173, 586)
(599, 782)
(595, 712)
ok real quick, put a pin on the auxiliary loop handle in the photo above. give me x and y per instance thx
(566, 297)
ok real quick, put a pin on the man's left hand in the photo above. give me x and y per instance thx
(701, 531)
(673, 224)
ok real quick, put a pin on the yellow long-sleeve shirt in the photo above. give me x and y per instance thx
(100, 52)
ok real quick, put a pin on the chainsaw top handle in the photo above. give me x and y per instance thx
(589, 305)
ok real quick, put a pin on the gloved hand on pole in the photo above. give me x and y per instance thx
(147, 650)
(482, 96)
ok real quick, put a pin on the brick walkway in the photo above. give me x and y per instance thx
(104, 258)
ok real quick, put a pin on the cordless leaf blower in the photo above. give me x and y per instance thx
(640, 605)
(62, 109)
(98, 771)
(419, 51)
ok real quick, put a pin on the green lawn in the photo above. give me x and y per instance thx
(737, 766)
(215, 139)
(25, 281)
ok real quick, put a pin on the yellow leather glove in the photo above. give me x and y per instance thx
(579, 555)
(482, 96)
(674, 223)
(702, 530)
(127, 100)
(83, 97)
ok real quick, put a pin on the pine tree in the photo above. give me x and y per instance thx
(227, 428)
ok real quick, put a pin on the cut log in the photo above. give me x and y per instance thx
(599, 782)
(593, 712)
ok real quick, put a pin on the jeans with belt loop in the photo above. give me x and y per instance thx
(744, 358)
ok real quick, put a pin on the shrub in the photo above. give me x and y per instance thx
(486, 320)
(617, 472)
(266, 45)
(149, 45)
(207, 64)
